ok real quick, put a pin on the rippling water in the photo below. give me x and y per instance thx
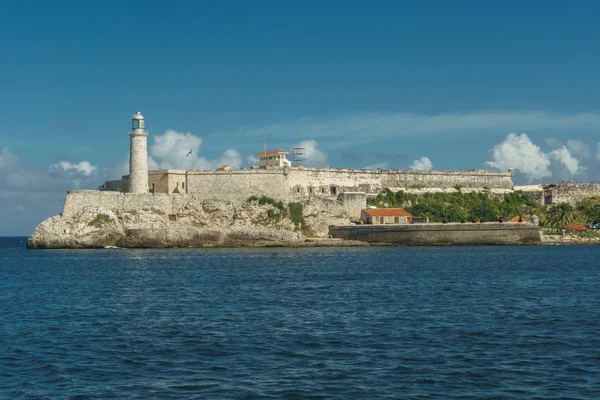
(364, 323)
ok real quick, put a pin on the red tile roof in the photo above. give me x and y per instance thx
(577, 228)
(223, 167)
(387, 212)
(262, 153)
(516, 219)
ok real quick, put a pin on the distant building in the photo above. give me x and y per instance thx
(273, 158)
(380, 216)
(224, 168)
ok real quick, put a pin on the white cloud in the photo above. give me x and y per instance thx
(563, 156)
(169, 150)
(230, 157)
(520, 153)
(422, 163)
(314, 157)
(252, 160)
(31, 194)
(7, 159)
(83, 167)
(578, 148)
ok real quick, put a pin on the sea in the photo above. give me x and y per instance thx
(497, 322)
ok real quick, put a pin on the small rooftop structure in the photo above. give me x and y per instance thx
(273, 158)
(224, 168)
(379, 216)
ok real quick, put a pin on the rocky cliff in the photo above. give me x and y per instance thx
(99, 219)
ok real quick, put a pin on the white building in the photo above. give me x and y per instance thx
(138, 155)
(273, 158)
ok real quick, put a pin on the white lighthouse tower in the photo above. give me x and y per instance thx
(138, 155)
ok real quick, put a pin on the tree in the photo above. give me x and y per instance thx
(559, 216)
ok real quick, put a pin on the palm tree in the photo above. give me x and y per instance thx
(559, 216)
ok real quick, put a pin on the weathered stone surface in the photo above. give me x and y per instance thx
(100, 219)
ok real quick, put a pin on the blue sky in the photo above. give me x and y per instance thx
(367, 84)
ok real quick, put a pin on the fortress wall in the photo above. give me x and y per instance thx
(293, 184)
(76, 200)
(574, 193)
(373, 181)
(321, 181)
(238, 185)
(477, 179)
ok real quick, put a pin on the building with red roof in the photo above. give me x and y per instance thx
(380, 216)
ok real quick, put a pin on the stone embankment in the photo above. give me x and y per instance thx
(94, 219)
(442, 234)
(569, 239)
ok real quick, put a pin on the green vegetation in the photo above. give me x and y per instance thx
(307, 232)
(262, 200)
(560, 216)
(272, 214)
(296, 214)
(297, 217)
(458, 206)
(99, 220)
(589, 210)
(416, 186)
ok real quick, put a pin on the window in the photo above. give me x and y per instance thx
(310, 190)
(381, 220)
(396, 220)
(298, 189)
(333, 190)
(183, 185)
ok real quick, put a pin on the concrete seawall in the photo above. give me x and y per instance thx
(441, 234)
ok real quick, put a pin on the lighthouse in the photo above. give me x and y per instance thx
(138, 155)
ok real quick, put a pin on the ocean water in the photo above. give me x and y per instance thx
(328, 323)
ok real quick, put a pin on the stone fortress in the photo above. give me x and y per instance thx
(276, 177)
(191, 208)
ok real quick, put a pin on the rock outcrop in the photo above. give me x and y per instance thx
(93, 219)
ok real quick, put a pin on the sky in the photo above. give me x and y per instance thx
(383, 84)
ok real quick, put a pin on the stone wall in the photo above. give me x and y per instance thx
(441, 234)
(354, 203)
(238, 185)
(573, 193)
(293, 184)
(534, 191)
